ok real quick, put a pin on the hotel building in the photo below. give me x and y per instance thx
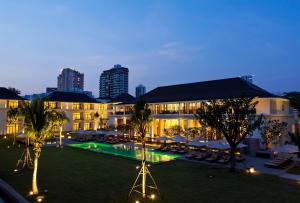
(171, 106)
(176, 105)
(79, 108)
(8, 99)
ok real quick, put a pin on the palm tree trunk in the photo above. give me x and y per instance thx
(144, 170)
(232, 159)
(35, 189)
(60, 136)
(15, 134)
(37, 152)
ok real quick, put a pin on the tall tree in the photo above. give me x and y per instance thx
(37, 125)
(15, 90)
(272, 131)
(295, 138)
(97, 118)
(294, 98)
(60, 119)
(140, 121)
(13, 116)
(234, 118)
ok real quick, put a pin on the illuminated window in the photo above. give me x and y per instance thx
(75, 126)
(75, 106)
(12, 104)
(10, 128)
(87, 106)
(88, 116)
(76, 116)
(87, 126)
(101, 107)
(52, 105)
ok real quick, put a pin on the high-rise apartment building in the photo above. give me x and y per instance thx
(248, 78)
(113, 82)
(70, 80)
(140, 90)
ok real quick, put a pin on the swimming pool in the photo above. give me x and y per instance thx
(129, 151)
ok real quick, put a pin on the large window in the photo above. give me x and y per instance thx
(75, 126)
(76, 106)
(88, 116)
(87, 106)
(10, 128)
(12, 104)
(76, 116)
(87, 126)
(52, 105)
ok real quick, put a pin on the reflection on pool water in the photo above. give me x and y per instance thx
(127, 151)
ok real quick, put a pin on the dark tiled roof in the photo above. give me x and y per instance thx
(8, 94)
(124, 98)
(215, 89)
(70, 97)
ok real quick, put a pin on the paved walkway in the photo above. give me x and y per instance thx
(258, 164)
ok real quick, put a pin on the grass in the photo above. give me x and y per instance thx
(75, 175)
(295, 170)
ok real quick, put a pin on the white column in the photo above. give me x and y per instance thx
(152, 129)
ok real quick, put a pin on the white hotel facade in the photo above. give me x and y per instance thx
(171, 106)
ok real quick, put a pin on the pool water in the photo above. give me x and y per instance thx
(129, 151)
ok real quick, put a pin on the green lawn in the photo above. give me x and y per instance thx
(295, 170)
(74, 175)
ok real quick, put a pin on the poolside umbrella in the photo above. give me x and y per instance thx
(218, 145)
(197, 144)
(179, 139)
(198, 139)
(241, 145)
(101, 132)
(288, 148)
(164, 138)
(22, 135)
(112, 132)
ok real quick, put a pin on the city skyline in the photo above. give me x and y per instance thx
(162, 43)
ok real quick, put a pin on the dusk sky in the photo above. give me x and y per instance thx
(161, 42)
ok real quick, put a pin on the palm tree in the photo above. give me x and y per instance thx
(13, 116)
(37, 125)
(97, 116)
(60, 120)
(140, 121)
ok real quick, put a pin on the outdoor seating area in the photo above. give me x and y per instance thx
(213, 151)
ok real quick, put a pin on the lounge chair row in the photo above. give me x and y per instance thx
(112, 140)
(214, 157)
(175, 150)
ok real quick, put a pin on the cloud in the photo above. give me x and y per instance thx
(177, 51)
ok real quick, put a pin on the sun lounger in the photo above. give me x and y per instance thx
(214, 157)
(190, 156)
(240, 158)
(174, 150)
(224, 159)
(278, 162)
(201, 156)
(183, 151)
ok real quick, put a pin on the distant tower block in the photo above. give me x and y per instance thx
(248, 78)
